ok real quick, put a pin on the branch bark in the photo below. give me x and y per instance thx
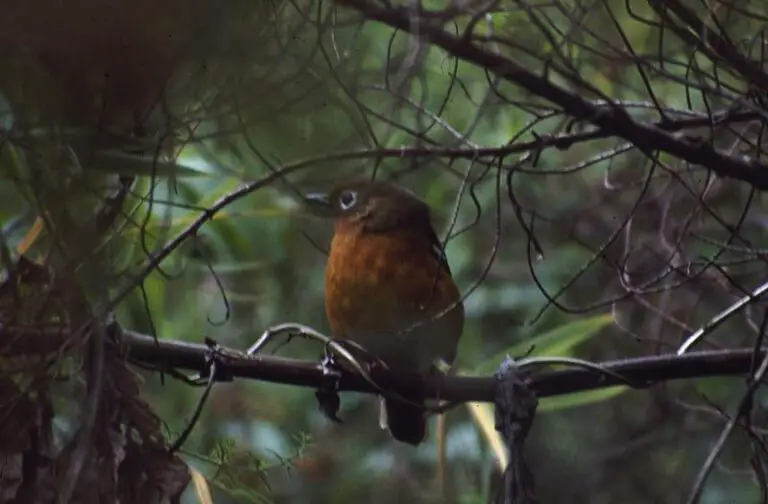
(641, 371)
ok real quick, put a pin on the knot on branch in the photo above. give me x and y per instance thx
(515, 409)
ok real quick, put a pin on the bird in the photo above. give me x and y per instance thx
(390, 290)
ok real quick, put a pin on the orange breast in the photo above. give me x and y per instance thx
(377, 285)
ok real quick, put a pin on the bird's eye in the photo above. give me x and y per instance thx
(347, 199)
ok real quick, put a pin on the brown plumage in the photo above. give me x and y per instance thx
(385, 282)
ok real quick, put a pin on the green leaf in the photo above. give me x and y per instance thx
(484, 418)
(558, 403)
(123, 163)
(558, 342)
(563, 340)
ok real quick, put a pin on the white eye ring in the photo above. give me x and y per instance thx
(347, 199)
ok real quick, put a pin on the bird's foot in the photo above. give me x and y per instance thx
(327, 394)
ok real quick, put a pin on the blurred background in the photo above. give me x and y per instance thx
(121, 123)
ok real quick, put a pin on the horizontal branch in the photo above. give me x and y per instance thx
(641, 372)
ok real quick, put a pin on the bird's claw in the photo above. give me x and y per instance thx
(327, 395)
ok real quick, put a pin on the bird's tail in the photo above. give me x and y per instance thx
(406, 422)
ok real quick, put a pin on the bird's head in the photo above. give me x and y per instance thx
(374, 205)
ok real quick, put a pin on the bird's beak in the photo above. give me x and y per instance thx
(319, 205)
